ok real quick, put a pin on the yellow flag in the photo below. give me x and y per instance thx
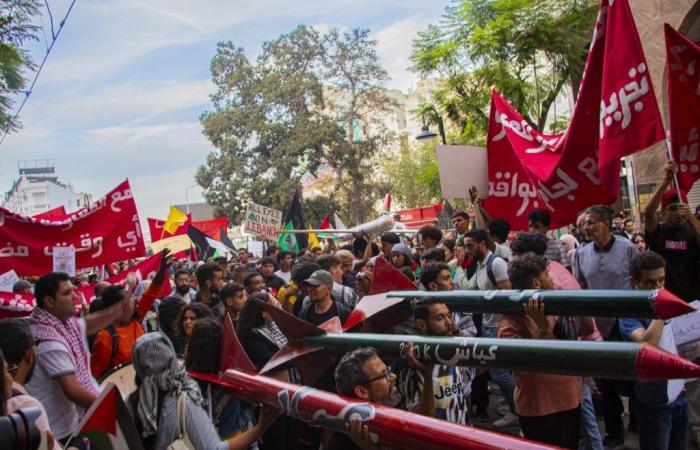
(313, 240)
(174, 220)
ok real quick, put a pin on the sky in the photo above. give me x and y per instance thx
(125, 84)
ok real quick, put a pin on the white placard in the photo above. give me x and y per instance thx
(8, 280)
(462, 167)
(256, 248)
(64, 260)
(686, 328)
(262, 222)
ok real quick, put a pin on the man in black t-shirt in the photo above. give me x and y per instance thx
(322, 307)
(677, 239)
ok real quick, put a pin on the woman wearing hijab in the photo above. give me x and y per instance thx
(161, 379)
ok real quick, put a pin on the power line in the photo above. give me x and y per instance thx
(41, 66)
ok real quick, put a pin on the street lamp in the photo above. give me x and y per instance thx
(430, 114)
(425, 134)
(187, 198)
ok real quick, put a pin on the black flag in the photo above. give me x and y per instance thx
(201, 244)
(294, 219)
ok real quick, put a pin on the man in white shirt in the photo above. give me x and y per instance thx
(284, 261)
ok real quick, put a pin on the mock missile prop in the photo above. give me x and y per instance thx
(383, 224)
(388, 427)
(642, 304)
(614, 360)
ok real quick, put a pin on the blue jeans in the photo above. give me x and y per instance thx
(501, 377)
(590, 433)
(663, 427)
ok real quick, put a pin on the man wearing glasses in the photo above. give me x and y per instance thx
(604, 263)
(362, 374)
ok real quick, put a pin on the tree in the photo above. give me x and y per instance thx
(527, 49)
(307, 105)
(413, 175)
(16, 30)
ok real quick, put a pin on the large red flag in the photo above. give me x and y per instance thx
(106, 231)
(616, 113)
(683, 86)
(515, 191)
(54, 213)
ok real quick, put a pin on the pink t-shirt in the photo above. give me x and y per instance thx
(22, 399)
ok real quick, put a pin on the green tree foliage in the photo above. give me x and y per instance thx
(307, 104)
(16, 30)
(413, 175)
(526, 49)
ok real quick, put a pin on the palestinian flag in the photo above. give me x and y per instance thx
(293, 220)
(202, 245)
(108, 425)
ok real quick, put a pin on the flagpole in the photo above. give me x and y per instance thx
(670, 157)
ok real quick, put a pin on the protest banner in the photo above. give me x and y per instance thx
(8, 280)
(615, 115)
(262, 222)
(461, 167)
(13, 304)
(103, 232)
(55, 213)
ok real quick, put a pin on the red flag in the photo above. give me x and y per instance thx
(683, 87)
(14, 304)
(387, 202)
(616, 113)
(52, 213)
(325, 223)
(514, 191)
(106, 231)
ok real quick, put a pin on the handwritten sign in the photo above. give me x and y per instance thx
(8, 280)
(687, 328)
(64, 260)
(262, 222)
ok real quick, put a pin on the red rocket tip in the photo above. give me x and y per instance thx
(667, 305)
(654, 364)
(368, 306)
(292, 327)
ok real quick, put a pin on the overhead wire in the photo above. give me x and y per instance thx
(41, 66)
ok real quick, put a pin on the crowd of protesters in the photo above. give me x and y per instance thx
(48, 362)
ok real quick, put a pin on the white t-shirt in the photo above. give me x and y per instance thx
(483, 282)
(53, 361)
(286, 276)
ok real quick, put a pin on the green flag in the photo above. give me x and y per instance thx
(288, 241)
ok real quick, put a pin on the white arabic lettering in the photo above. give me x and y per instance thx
(618, 109)
(689, 153)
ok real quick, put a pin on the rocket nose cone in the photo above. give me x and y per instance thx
(355, 317)
(667, 305)
(654, 364)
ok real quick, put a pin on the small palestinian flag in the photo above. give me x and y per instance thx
(108, 425)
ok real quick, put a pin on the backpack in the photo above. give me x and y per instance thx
(489, 270)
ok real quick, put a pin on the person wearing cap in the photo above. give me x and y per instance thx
(676, 239)
(322, 307)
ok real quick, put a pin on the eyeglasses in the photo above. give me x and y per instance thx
(590, 223)
(12, 367)
(384, 374)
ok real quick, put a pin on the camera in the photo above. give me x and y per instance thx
(18, 430)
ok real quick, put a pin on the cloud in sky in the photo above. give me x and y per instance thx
(122, 91)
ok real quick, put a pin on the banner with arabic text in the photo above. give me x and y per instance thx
(105, 231)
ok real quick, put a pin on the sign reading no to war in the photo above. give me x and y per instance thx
(262, 222)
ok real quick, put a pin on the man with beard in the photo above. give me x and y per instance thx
(362, 374)
(209, 278)
(17, 345)
(183, 288)
(450, 385)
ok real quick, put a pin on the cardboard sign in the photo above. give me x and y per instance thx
(262, 222)
(8, 280)
(64, 260)
(686, 328)
(461, 167)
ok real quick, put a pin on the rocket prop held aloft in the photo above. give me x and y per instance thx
(389, 427)
(383, 224)
(614, 360)
(642, 304)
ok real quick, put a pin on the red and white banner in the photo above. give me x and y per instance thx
(211, 228)
(18, 305)
(55, 213)
(105, 231)
(615, 115)
(683, 87)
(515, 191)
